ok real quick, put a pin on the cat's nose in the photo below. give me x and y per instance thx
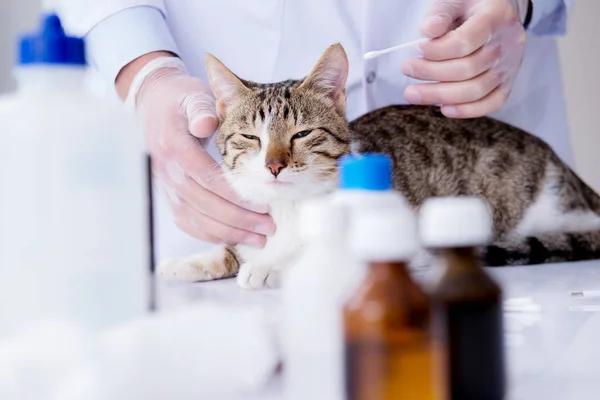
(275, 166)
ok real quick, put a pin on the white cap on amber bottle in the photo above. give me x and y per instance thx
(455, 222)
(385, 234)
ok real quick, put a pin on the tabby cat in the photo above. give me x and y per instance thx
(281, 142)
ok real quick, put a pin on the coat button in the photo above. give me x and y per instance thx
(371, 77)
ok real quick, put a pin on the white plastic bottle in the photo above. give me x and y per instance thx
(365, 183)
(312, 295)
(73, 204)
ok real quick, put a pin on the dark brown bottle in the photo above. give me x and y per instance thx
(470, 304)
(467, 301)
(389, 351)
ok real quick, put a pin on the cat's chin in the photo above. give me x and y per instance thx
(274, 191)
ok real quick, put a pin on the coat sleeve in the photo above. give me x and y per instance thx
(117, 31)
(550, 17)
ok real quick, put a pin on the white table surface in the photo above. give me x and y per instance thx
(558, 359)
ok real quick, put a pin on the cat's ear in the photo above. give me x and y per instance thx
(329, 76)
(225, 84)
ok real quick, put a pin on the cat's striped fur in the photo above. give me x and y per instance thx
(280, 143)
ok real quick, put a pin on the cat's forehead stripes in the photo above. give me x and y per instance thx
(274, 99)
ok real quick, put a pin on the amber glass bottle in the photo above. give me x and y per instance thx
(389, 351)
(468, 302)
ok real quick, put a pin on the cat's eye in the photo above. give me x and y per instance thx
(300, 135)
(251, 137)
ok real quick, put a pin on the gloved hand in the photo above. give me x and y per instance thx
(176, 110)
(473, 58)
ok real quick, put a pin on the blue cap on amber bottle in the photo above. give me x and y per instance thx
(366, 171)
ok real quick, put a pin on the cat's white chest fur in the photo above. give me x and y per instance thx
(263, 266)
(283, 243)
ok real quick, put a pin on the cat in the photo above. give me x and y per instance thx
(281, 143)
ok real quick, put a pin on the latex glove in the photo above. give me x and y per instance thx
(473, 58)
(176, 111)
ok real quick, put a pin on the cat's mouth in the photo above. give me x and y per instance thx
(277, 182)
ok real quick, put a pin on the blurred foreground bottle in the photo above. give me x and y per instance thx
(390, 351)
(312, 291)
(318, 283)
(468, 302)
(364, 183)
(73, 209)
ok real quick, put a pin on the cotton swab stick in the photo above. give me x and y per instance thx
(372, 54)
(585, 293)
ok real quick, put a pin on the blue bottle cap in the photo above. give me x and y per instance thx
(367, 171)
(51, 45)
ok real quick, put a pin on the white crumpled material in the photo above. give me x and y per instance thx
(207, 351)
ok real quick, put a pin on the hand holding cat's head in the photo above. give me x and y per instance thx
(282, 140)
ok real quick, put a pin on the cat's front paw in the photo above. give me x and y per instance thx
(258, 276)
(220, 262)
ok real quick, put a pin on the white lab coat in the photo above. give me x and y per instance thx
(270, 40)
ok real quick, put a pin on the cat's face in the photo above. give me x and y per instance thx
(282, 140)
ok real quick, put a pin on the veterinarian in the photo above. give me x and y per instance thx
(152, 51)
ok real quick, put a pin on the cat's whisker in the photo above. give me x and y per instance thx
(219, 163)
(228, 174)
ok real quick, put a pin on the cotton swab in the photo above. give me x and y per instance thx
(372, 54)
(585, 293)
